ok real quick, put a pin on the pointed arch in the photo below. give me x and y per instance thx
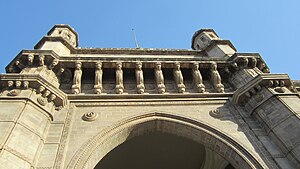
(97, 147)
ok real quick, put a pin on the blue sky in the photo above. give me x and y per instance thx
(270, 28)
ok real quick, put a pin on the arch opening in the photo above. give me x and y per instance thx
(218, 147)
(155, 150)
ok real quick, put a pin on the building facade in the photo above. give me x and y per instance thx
(208, 107)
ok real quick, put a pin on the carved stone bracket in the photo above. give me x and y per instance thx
(98, 78)
(119, 78)
(178, 78)
(216, 78)
(16, 86)
(197, 78)
(159, 79)
(139, 78)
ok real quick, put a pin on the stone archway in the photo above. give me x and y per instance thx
(155, 150)
(214, 141)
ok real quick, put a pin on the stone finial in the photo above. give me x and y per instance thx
(66, 32)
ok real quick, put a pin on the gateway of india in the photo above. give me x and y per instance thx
(209, 107)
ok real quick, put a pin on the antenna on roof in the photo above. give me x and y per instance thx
(136, 43)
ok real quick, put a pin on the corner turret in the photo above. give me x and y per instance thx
(207, 40)
(61, 38)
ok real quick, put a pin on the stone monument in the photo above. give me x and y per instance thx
(209, 107)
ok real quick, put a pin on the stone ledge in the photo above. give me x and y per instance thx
(244, 93)
(34, 82)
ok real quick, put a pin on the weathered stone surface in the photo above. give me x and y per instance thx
(8, 160)
(68, 107)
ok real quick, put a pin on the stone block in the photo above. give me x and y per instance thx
(57, 47)
(296, 153)
(10, 161)
(35, 119)
(220, 51)
(275, 116)
(47, 156)
(54, 133)
(5, 130)
(284, 163)
(292, 102)
(10, 110)
(24, 142)
(289, 132)
(272, 148)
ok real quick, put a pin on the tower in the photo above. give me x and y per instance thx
(205, 107)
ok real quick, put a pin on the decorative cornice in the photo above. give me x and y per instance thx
(139, 51)
(36, 82)
(275, 81)
(249, 60)
(49, 56)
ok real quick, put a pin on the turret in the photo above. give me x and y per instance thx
(208, 41)
(61, 38)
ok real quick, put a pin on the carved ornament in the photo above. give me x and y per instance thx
(90, 116)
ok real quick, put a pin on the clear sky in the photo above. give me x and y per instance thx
(269, 27)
